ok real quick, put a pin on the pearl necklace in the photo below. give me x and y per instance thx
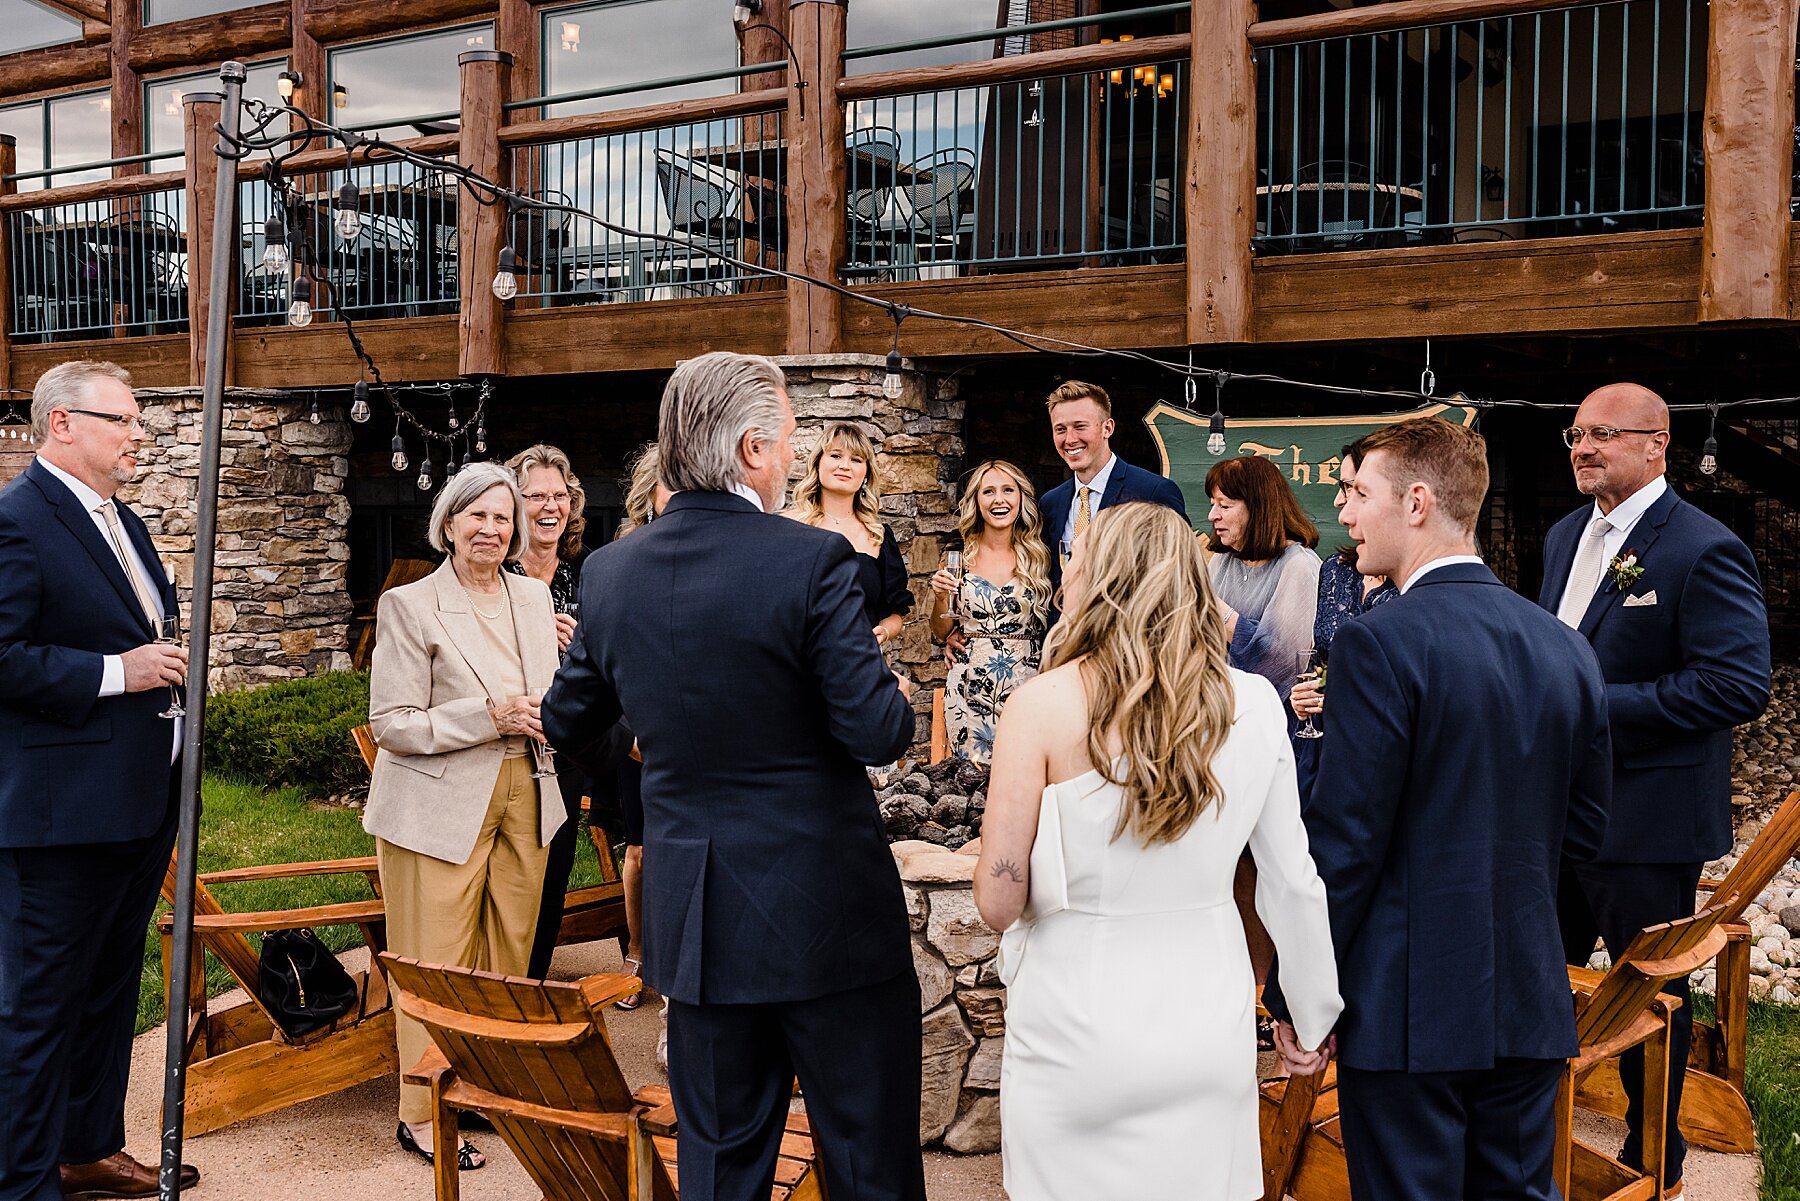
(494, 616)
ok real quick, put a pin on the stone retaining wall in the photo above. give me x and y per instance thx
(961, 1000)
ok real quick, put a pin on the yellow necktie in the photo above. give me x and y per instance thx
(117, 530)
(1082, 516)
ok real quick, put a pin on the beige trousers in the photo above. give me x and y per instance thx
(480, 914)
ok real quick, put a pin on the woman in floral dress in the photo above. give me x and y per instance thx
(1001, 605)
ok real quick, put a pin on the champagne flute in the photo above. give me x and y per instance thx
(573, 609)
(168, 633)
(1064, 548)
(953, 563)
(1311, 668)
(543, 758)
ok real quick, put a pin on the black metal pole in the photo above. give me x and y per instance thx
(218, 329)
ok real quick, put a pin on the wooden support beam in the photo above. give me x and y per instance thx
(203, 41)
(127, 90)
(199, 116)
(1749, 155)
(82, 10)
(1220, 196)
(1038, 64)
(52, 67)
(694, 111)
(816, 217)
(100, 189)
(480, 230)
(516, 32)
(9, 163)
(307, 56)
(1386, 17)
(338, 20)
(762, 44)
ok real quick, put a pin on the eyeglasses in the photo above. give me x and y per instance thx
(542, 498)
(1599, 435)
(124, 419)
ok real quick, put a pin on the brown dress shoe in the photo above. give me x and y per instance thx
(115, 1176)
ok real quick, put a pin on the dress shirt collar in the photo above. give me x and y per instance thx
(1097, 485)
(1625, 514)
(90, 499)
(750, 494)
(1446, 561)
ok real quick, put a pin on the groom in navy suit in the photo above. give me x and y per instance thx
(87, 789)
(1671, 603)
(1467, 757)
(1081, 423)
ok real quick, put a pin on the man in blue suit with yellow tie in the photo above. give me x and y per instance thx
(1081, 423)
(87, 789)
(1466, 758)
(1671, 603)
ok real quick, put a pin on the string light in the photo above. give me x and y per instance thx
(892, 383)
(398, 462)
(275, 252)
(424, 480)
(1215, 425)
(313, 415)
(347, 219)
(1709, 451)
(359, 404)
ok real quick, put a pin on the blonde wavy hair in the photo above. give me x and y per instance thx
(542, 455)
(1145, 625)
(808, 497)
(1027, 534)
(640, 488)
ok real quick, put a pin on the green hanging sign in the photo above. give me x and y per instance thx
(1305, 448)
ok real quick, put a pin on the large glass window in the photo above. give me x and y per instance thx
(157, 12)
(25, 122)
(623, 42)
(380, 85)
(883, 22)
(163, 109)
(80, 132)
(29, 25)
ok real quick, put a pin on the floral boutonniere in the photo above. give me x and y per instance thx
(1623, 571)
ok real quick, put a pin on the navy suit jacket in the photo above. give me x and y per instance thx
(735, 644)
(1125, 483)
(1467, 755)
(1680, 673)
(74, 767)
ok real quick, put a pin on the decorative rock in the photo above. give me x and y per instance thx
(917, 907)
(945, 867)
(935, 981)
(986, 1008)
(977, 1128)
(984, 1065)
(956, 929)
(1759, 987)
(944, 1046)
(1790, 917)
(932, 832)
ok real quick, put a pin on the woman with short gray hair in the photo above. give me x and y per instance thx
(464, 801)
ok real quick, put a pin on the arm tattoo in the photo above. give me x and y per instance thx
(1009, 869)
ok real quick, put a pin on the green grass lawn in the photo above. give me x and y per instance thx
(1773, 1077)
(243, 825)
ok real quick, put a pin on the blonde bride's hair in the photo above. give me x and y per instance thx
(1152, 646)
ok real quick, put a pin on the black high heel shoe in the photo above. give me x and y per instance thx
(466, 1152)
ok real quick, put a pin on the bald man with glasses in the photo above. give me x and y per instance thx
(1671, 602)
(88, 768)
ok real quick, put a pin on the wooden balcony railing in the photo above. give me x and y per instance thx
(1372, 128)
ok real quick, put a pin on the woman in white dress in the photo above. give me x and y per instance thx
(1127, 779)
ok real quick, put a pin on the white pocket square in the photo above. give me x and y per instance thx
(1649, 598)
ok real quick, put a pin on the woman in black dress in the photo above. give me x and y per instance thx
(841, 492)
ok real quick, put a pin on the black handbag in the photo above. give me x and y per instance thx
(301, 983)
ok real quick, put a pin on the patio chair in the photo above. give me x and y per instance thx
(534, 1059)
(1715, 1114)
(1303, 1148)
(240, 1063)
(705, 204)
(1331, 204)
(941, 197)
(34, 300)
(871, 173)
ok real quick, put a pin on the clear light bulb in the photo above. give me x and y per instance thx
(891, 383)
(275, 258)
(1215, 444)
(300, 312)
(1709, 456)
(424, 480)
(359, 402)
(349, 224)
(506, 284)
(313, 415)
(398, 462)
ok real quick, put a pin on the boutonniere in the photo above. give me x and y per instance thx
(1623, 571)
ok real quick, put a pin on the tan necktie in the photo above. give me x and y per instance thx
(1584, 574)
(125, 557)
(1082, 516)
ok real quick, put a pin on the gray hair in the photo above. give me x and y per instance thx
(68, 386)
(710, 403)
(460, 491)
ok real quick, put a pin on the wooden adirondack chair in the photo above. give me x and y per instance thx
(534, 1058)
(1303, 1150)
(1714, 1111)
(239, 1062)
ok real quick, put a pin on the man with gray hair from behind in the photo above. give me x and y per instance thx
(88, 772)
(734, 643)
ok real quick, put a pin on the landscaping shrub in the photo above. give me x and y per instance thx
(296, 732)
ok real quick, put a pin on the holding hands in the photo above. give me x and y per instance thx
(1301, 1062)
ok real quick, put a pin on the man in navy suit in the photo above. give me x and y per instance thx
(1467, 756)
(87, 789)
(1671, 602)
(734, 643)
(1081, 423)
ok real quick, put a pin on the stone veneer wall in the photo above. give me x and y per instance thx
(280, 607)
(962, 1003)
(919, 451)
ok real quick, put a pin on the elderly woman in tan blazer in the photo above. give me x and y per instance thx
(461, 823)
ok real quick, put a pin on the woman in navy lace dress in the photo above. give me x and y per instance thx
(1344, 595)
